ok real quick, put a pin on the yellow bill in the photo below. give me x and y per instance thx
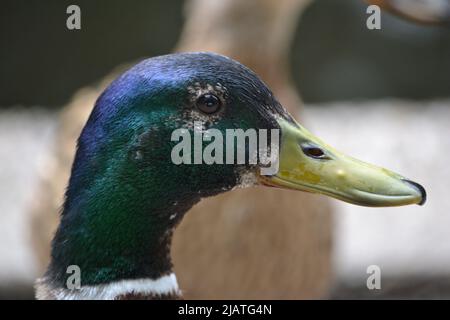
(308, 164)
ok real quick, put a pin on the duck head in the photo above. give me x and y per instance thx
(127, 191)
(137, 126)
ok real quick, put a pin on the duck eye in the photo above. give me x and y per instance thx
(208, 103)
(314, 152)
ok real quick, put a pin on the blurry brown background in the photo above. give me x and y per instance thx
(380, 95)
(334, 56)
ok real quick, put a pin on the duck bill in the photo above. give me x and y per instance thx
(306, 163)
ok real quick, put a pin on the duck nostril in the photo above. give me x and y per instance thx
(313, 152)
(421, 189)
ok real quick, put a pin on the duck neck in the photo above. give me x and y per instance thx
(119, 238)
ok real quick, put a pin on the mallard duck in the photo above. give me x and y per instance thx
(292, 252)
(126, 196)
(298, 242)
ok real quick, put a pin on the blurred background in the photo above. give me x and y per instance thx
(380, 95)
